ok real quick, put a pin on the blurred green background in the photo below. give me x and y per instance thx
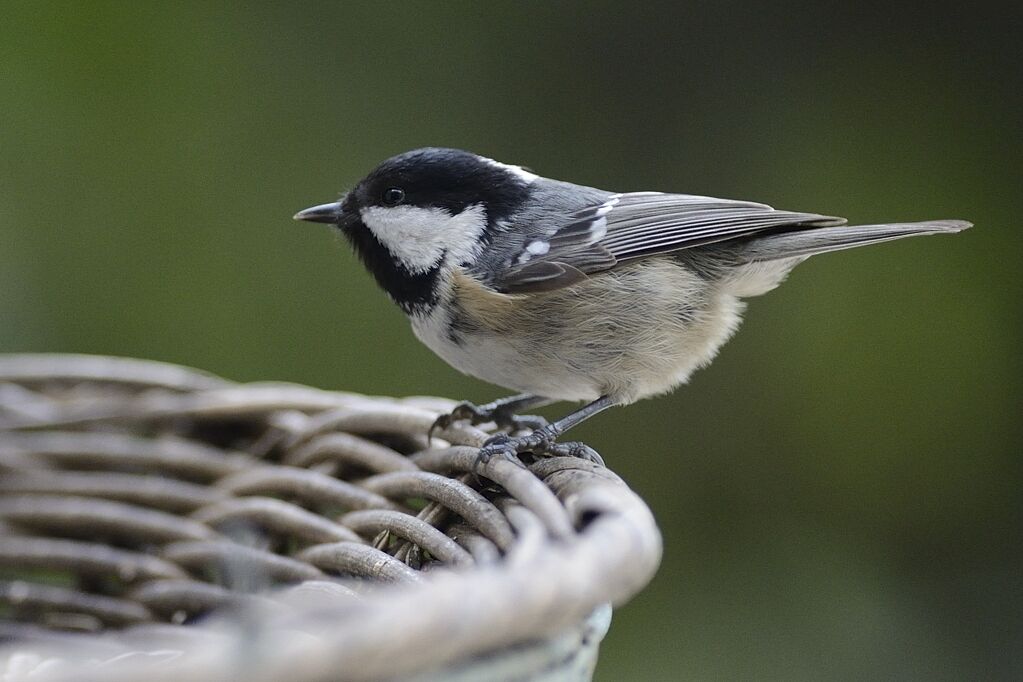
(839, 493)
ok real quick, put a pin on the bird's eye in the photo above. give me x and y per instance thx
(393, 196)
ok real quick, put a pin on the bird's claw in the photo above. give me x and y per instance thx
(539, 443)
(500, 445)
(461, 411)
(575, 449)
(500, 415)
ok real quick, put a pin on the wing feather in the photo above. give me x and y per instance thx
(636, 225)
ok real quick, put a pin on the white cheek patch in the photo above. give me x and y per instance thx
(419, 236)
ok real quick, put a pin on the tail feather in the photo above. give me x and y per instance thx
(812, 241)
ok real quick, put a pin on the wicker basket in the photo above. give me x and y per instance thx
(158, 521)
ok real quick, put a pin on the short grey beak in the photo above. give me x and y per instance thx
(324, 213)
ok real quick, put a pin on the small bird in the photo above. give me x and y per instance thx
(564, 292)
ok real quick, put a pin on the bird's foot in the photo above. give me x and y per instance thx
(499, 413)
(539, 443)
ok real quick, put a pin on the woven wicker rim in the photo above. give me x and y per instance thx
(321, 525)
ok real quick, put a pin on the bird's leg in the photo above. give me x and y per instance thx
(502, 412)
(542, 441)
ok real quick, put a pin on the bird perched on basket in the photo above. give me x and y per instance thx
(566, 292)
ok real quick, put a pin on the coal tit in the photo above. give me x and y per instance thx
(566, 292)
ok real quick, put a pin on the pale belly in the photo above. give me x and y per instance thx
(502, 362)
(637, 331)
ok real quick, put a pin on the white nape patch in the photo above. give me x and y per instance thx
(517, 171)
(419, 237)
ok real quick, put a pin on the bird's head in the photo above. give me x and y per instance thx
(422, 211)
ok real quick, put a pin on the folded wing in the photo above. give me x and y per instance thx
(636, 225)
